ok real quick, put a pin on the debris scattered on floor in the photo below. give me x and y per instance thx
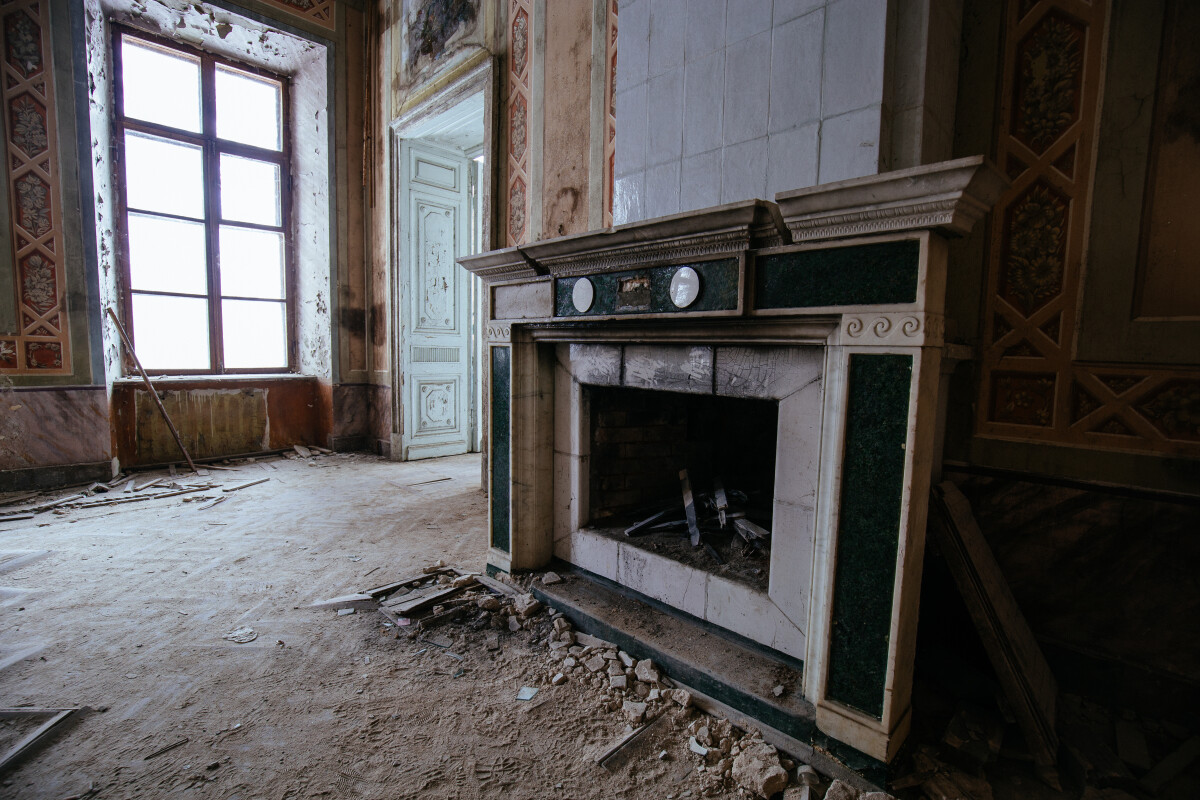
(123, 489)
(526, 693)
(166, 749)
(242, 635)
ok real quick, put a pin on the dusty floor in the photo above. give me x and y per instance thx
(126, 611)
(123, 608)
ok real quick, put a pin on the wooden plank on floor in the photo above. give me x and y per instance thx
(23, 747)
(1020, 666)
(409, 607)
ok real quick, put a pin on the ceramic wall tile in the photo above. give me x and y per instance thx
(664, 135)
(744, 171)
(747, 88)
(631, 133)
(628, 195)
(795, 61)
(662, 189)
(705, 27)
(745, 18)
(855, 47)
(668, 24)
(704, 102)
(850, 146)
(785, 10)
(633, 55)
(700, 182)
(793, 158)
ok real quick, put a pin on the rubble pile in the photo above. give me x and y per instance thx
(725, 758)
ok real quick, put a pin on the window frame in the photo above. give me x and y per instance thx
(213, 148)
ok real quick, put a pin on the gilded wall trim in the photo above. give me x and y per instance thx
(1031, 386)
(318, 11)
(517, 200)
(42, 343)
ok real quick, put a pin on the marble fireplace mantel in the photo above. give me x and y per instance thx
(829, 301)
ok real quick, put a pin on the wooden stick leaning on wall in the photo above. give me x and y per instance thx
(150, 388)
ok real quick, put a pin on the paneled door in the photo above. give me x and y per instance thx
(434, 312)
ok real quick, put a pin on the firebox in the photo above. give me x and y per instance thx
(735, 413)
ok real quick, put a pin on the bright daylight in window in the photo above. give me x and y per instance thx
(205, 166)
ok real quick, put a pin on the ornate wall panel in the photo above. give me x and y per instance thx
(520, 55)
(610, 111)
(1031, 388)
(318, 11)
(41, 344)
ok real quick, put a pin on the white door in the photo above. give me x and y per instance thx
(435, 337)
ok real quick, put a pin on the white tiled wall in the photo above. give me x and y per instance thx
(725, 100)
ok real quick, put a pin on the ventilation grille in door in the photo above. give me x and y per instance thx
(434, 355)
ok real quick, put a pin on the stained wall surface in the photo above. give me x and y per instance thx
(724, 100)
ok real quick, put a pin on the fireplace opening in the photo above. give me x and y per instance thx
(649, 447)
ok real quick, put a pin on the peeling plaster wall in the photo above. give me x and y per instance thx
(565, 142)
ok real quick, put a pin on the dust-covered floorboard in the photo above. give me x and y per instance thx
(124, 608)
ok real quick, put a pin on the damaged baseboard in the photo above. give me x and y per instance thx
(12, 480)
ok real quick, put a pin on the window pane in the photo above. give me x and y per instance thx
(162, 175)
(249, 190)
(251, 263)
(255, 334)
(167, 255)
(248, 108)
(171, 332)
(160, 85)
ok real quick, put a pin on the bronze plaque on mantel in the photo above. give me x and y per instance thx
(633, 293)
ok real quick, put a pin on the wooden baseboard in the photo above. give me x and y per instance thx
(12, 480)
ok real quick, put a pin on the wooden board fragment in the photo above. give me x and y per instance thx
(409, 607)
(241, 486)
(1024, 675)
(403, 583)
(43, 732)
(498, 586)
(689, 508)
(1170, 767)
(638, 526)
(21, 498)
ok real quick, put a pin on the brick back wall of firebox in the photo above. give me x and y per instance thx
(638, 446)
(641, 439)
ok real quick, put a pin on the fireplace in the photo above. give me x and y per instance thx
(790, 354)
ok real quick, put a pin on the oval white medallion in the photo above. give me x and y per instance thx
(582, 295)
(685, 287)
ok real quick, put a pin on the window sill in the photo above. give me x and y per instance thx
(168, 380)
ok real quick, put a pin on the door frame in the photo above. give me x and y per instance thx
(477, 80)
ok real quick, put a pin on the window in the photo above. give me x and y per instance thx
(204, 220)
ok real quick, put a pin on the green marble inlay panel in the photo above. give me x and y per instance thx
(864, 274)
(868, 529)
(501, 455)
(647, 291)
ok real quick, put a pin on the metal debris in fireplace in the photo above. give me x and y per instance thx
(705, 515)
